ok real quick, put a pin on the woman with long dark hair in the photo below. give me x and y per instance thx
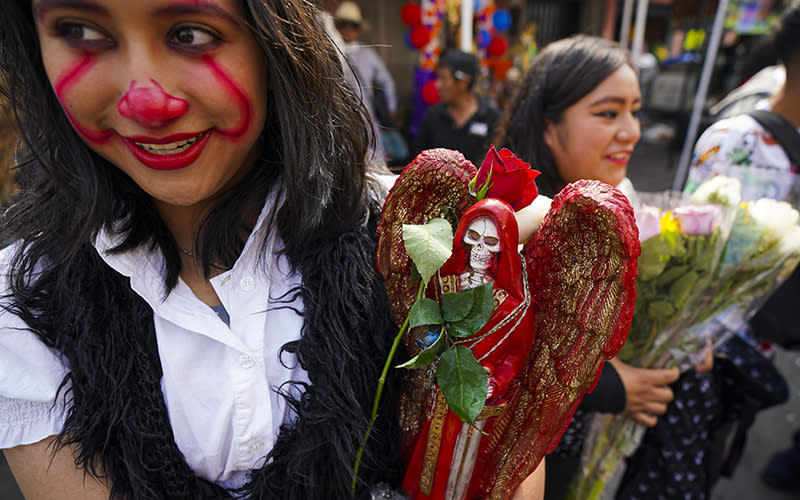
(190, 309)
(575, 117)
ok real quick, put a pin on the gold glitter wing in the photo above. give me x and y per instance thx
(582, 267)
(434, 185)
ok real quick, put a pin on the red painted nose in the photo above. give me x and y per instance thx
(151, 106)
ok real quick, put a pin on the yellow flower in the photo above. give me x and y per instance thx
(669, 224)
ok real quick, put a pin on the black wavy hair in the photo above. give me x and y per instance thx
(458, 60)
(562, 74)
(315, 141)
(787, 39)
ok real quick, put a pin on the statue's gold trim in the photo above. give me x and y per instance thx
(433, 444)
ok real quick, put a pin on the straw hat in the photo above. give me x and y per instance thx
(349, 11)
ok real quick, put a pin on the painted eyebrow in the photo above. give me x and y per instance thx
(43, 6)
(207, 8)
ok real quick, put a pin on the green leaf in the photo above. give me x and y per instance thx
(426, 356)
(429, 245)
(660, 309)
(655, 254)
(705, 251)
(415, 276)
(456, 306)
(478, 316)
(681, 289)
(463, 381)
(485, 188)
(670, 275)
(677, 244)
(425, 312)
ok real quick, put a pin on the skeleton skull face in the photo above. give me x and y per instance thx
(484, 238)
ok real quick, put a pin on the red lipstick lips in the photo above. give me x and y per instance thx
(165, 160)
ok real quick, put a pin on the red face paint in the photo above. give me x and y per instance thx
(68, 79)
(239, 97)
(151, 106)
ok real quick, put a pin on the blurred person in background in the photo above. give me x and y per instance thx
(372, 78)
(462, 120)
(760, 129)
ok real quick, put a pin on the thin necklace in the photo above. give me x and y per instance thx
(212, 264)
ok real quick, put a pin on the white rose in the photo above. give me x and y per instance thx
(719, 189)
(776, 217)
(790, 243)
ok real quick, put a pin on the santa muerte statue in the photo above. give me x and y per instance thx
(507, 320)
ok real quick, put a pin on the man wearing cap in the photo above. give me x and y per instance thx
(462, 120)
(366, 63)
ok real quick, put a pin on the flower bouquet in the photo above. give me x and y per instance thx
(701, 277)
(682, 244)
(762, 251)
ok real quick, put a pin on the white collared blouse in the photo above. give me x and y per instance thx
(219, 382)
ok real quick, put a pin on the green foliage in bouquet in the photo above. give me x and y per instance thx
(674, 267)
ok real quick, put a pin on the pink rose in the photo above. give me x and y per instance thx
(512, 179)
(698, 219)
(648, 220)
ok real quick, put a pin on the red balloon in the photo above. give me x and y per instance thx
(430, 94)
(498, 46)
(420, 36)
(411, 14)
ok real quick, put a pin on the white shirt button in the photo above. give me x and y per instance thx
(246, 360)
(256, 446)
(247, 283)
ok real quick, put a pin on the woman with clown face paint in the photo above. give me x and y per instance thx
(190, 308)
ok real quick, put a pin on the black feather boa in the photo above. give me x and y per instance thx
(117, 417)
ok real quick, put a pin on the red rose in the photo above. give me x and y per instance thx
(512, 179)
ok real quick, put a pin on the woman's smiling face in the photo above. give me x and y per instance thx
(596, 135)
(173, 92)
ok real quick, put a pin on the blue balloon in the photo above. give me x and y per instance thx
(407, 38)
(476, 6)
(501, 20)
(483, 39)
